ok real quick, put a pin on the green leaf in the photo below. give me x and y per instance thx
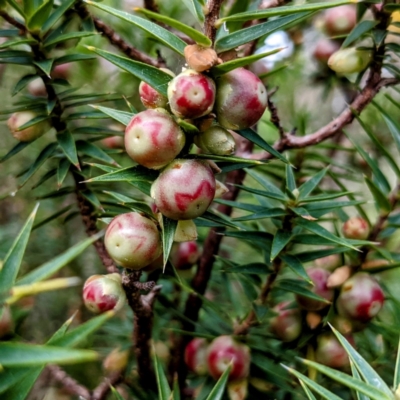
(93, 151)
(67, 36)
(51, 267)
(92, 198)
(349, 381)
(16, 42)
(164, 391)
(23, 354)
(156, 78)
(115, 393)
(381, 199)
(224, 68)
(16, 7)
(269, 213)
(23, 82)
(393, 126)
(367, 372)
(358, 31)
(281, 239)
(15, 150)
(218, 390)
(168, 232)
(286, 10)
(255, 138)
(51, 217)
(246, 35)
(270, 195)
(38, 18)
(221, 219)
(121, 116)
(290, 179)
(9, 377)
(396, 377)
(45, 65)
(130, 174)
(298, 287)
(176, 392)
(57, 14)
(67, 144)
(195, 7)
(307, 187)
(162, 35)
(320, 231)
(32, 122)
(73, 58)
(325, 393)
(194, 34)
(252, 268)
(13, 259)
(296, 266)
(62, 171)
(356, 375)
(44, 155)
(309, 394)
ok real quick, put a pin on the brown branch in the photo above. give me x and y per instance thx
(274, 118)
(12, 21)
(151, 5)
(69, 384)
(115, 39)
(213, 7)
(101, 391)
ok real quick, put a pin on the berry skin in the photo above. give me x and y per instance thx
(287, 324)
(153, 139)
(102, 293)
(191, 94)
(330, 352)
(241, 99)
(33, 132)
(184, 189)
(324, 49)
(149, 96)
(196, 356)
(113, 142)
(216, 140)
(133, 241)
(356, 228)
(186, 255)
(348, 61)
(222, 351)
(320, 277)
(340, 20)
(361, 298)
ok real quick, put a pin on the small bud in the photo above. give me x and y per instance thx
(200, 58)
(185, 255)
(313, 319)
(356, 228)
(33, 132)
(216, 140)
(223, 351)
(319, 277)
(102, 293)
(287, 324)
(330, 352)
(339, 276)
(185, 231)
(374, 264)
(196, 356)
(220, 189)
(348, 61)
(116, 361)
(361, 298)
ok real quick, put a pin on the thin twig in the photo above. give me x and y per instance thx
(213, 7)
(101, 391)
(274, 118)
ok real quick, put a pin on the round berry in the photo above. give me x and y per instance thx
(356, 228)
(216, 140)
(340, 20)
(196, 356)
(287, 324)
(324, 49)
(330, 352)
(26, 135)
(349, 61)
(185, 255)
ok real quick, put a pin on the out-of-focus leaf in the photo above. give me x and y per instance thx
(93, 151)
(51, 217)
(220, 219)
(67, 36)
(358, 31)
(296, 266)
(57, 14)
(37, 19)
(195, 7)
(168, 232)
(62, 171)
(281, 239)
(290, 179)
(253, 268)
(246, 35)
(121, 116)
(92, 198)
(393, 126)
(45, 65)
(73, 58)
(13, 259)
(51, 267)
(381, 199)
(307, 187)
(218, 390)
(23, 82)
(298, 287)
(268, 213)
(137, 173)
(356, 375)
(194, 34)
(15, 150)
(67, 144)
(23, 354)
(167, 38)
(164, 391)
(116, 394)
(316, 254)
(396, 377)
(16, 42)
(270, 195)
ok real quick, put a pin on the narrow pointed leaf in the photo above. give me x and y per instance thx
(396, 378)
(359, 30)
(296, 266)
(130, 174)
(156, 78)
(281, 239)
(57, 14)
(62, 171)
(164, 391)
(195, 7)
(290, 179)
(13, 259)
(51, 217)
(121, 116)
(67, 36)
(308, 392)
(162, 35)
(194, 34)
(360, 396)
(67, 144)
(93, 151)
(45, 65)
(168, 232)
(23, 82)
(298, 287)
(116, 394)
(40, 15)
(16, 42)
(381, 199)
(307, 187)
(218, 390)
(15, 150)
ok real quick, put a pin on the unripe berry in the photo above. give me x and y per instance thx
(216, 140)
(185, 255)
(113, 142)
(329, 262)
(116, 361)
(330, 352)
(133, 241)
(223, 351)
(191, 94)
(361, 298)
(196, 356)
(340, 20)
(184, 189)
(287, 324)
(356, 228)
(102, 293)
(348, 61)
(149, 96)
(37, 87)
(153, 139)
(33, 132)
(319, 276)
(241, 99)
(324, 49)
